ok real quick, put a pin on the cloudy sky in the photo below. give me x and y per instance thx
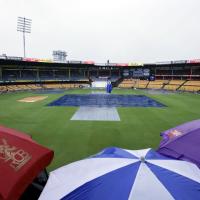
(118, 30)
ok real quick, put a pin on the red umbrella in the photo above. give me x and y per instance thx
(21, 160)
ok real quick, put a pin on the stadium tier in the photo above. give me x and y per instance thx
(157, 84)
(17, 87)
(16, 75)
(174, 85)
(192, 86)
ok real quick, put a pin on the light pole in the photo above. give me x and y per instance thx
(24, 26)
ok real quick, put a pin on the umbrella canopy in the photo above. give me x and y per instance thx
(119, 174)
(21, 160)
(182, 142)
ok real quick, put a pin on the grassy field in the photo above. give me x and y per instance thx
(74, 140)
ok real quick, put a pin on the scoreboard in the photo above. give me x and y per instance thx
(139, 72)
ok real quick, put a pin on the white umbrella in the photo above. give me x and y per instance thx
(120, 174)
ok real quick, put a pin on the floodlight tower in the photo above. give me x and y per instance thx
(59, 56)
(24, 26)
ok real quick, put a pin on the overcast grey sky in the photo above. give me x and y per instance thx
(119, 30)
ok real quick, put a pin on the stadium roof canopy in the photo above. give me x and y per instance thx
(44, 63)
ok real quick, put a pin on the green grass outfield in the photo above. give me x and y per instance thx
(74, 140)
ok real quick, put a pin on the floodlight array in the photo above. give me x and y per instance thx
(24, 25)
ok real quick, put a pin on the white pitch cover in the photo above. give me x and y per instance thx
(99, 84)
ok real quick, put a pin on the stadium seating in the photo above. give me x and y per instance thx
(191, 86)
(62, 85)
(180, 85)
(127, 83)
(133, 83)
(3, 89)
(72, 85)
(12, 88)
(28, 86)
(52, 86)
(173, 84)
(141, 84)
(157, 84)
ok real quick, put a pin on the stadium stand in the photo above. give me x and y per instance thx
(157, 84)
(16, 75)
(180, 85)
(127, 83)
(173, 85)
(21, 87)
(133, 83)
(191, 86)
(142, 84)
(3, 89)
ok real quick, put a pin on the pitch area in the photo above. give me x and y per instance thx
(73, 140)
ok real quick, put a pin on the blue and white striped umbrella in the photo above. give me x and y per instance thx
(120, 174)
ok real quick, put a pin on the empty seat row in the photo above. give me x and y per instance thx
(182, 85)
